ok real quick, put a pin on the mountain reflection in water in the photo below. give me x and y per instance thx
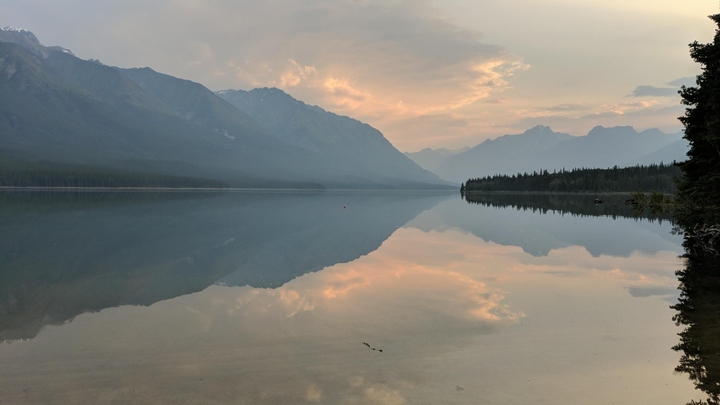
(605, 229)
(65, 254)
(266, 298)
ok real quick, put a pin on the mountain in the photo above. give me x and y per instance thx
(674, 152)
(606, 147)
(62, 109)
(540, 148)
(354, 149)
(430, 159)
(29, 41)
(57, 108)
(506, 154)
(195, 102)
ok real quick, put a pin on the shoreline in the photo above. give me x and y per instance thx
(224, 189)
(554, 192)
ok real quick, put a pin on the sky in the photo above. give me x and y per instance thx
(442, 73)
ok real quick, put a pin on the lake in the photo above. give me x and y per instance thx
(335, 297)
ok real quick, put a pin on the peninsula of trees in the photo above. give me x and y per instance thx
(660, 178)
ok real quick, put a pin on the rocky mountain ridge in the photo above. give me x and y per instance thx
(55, 107)
(540, 148)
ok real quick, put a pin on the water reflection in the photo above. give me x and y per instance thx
(64, 254)
(613, 205)
(698, 309)
(281, 291)
(538, 231)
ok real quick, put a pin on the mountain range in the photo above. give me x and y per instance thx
(58, 108)
(540, 148)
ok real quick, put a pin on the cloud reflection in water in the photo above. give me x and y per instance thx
(448, 308)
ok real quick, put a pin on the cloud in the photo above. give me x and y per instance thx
(443, 128)
(383, 62)
(378, 61)
(642, 292)
(652, 91)
(568, 107)
(638, 115)
(421, 305)
(684, 81)
(626, 107)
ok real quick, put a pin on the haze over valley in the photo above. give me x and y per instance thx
(59, 109)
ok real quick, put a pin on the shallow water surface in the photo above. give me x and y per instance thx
(267, 298)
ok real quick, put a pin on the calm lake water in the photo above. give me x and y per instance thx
(267, 298)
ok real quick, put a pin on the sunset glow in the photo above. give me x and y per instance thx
(427, 74)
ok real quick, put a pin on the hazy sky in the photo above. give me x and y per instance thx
(427, 73)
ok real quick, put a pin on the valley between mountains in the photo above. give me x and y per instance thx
(66, 117)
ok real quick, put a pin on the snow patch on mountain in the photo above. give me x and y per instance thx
(15, 29)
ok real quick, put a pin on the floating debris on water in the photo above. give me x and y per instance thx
(373, 348)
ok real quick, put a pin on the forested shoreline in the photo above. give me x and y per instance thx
(15, 174)
(660, 178)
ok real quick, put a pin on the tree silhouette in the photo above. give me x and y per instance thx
(701, 181)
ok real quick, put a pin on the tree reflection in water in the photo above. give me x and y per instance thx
(698, 309)
(582, 205)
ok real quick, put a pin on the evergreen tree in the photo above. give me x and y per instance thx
(701, 181)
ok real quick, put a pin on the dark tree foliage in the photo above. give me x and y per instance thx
(701, 181)
(659, 178)
(698, 309)
(17, 174)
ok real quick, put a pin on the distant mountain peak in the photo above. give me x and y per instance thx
(538, 131)
(272, 91)
(22, 32)
(18, 30)
(539, 128)
(29, 41)
(262, 91)
(603, 131)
